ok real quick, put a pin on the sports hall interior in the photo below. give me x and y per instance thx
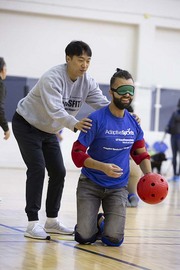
(140, 36)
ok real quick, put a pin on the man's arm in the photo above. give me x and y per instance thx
(141, 156)
(82, 159)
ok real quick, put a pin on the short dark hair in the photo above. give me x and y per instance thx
(77, 48)
(2, 63)
(120, 73)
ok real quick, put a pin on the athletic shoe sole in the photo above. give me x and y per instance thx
(58, 232)
(48, 237)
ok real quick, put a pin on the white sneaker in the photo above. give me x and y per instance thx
(37, 232)
(57, 227)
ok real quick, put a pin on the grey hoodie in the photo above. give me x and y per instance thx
(55, 100)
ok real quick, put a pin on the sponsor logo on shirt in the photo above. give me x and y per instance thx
(71, 103)
(119, 132)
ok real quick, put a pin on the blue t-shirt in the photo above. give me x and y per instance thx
(110, 140)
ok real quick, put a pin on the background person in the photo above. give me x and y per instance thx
(134, 176)
(114, 135)
(3, 121)
(173, 128)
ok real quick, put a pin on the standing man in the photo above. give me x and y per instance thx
(113, 137)
(3, 121)
(173, 128)
(50, 106)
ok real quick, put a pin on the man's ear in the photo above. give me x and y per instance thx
(67, 58)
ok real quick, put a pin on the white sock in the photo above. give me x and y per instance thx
(32, 223)
(51, 220)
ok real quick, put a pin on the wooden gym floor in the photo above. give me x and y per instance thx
(152, 235)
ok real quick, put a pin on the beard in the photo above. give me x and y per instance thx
(120, 105)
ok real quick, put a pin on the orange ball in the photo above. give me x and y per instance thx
(152, 188)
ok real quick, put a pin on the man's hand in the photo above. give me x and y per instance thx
(83, 124)
(112, 170)
(6, 135)
(137, 118)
